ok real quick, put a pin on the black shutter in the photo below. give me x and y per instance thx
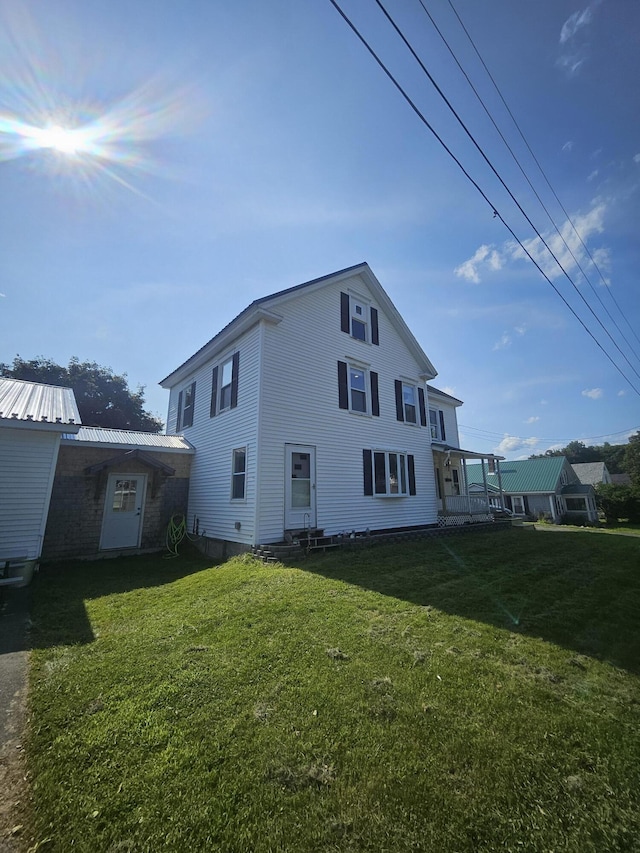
(375, 402)
(214, 393)
(179, 415)
(443, 435)
(344, 313)
(374, 327)
(423, 408)
(399, 405)
(343, 390)
(367, 472)
(412, 474)
(234, 379)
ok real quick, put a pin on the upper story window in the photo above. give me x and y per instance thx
(224, 385)
(358, 389)
(186, 406)
(410, 403)
(436, 422)
(359, 319)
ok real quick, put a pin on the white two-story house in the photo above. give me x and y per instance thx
(309, 411)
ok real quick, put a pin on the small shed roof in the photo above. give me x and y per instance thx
(128, 439)
(524, 477)
(30, 403)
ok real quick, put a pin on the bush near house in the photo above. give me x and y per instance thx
(618, 502)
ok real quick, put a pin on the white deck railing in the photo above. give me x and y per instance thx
(465, 505)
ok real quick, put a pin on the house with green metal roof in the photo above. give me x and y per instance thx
(545, 487)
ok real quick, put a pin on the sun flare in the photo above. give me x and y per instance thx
(64, 140)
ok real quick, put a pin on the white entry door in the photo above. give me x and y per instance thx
(123, 511)
(300, 486)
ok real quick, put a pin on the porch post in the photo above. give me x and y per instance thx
(553, 508)
(500, 484)
(466, 482)
(484, 480)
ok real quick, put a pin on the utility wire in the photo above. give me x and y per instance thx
(513, 198)
(542, 172)
(491, 436)
(522, 170)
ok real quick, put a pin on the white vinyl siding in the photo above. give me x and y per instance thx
(299, 405)
(27, 462)
(211, 505)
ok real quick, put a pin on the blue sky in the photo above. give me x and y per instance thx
(234, 149)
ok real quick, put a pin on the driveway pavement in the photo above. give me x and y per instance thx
(14, 627)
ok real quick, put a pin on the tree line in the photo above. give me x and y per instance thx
(103, 397)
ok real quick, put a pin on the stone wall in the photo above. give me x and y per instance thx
(75, 516)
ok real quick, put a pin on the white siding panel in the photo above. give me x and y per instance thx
(27, 465)
(210, 504)
(300, 406)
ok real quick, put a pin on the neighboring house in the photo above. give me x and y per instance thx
(591, 473)
(115, 491)
(33, 418)
(620, 479)
(310, 410)
(538, 487)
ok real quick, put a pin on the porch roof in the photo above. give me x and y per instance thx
(466, 454)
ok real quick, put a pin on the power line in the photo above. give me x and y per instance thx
(515, 158)
(542, 172)
(511, 195)
(492, 436)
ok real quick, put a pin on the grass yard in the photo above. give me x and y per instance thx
(475, 693)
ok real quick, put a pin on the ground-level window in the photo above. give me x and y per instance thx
(576, 504)
(239, 473)
(517, 504)
(388, 473)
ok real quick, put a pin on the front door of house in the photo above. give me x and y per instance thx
(300, 486)
(123, 511)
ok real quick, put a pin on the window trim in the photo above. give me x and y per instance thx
(237, 474)
(440, 433)
(369, 318)
(399, 461)
(217, 388)
(184, 417)
(345, 388)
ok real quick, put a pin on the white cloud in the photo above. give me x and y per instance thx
(512, 443)
(567, 146)
(485, 257)
(592, 176)
(636, 158)
(622, 393)
(520, 330)
(574, 23)
(532, 420)
(593, 393)
(503, 343)
(449, 390)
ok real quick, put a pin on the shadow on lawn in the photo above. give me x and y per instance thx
(576, 590)
(59, 591)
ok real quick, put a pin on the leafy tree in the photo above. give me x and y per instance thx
(632, 459)
(618, 502)
(613, 455)
(104, 399)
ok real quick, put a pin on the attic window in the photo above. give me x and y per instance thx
(359, 319)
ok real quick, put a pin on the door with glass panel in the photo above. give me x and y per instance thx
(123, 511)
(300, 486)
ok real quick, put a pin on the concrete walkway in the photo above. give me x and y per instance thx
(14, 627)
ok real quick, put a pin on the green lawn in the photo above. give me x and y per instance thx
(475, 693)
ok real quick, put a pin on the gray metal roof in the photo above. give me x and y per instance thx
(31, 401)
(97, 436)
(431, 389)
(590, 472)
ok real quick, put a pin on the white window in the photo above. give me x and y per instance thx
(434, 422)
(359, 325)
(238, 473)
(357, 390)
(390, 473)
(517, 504)
(226, 378)
(409, 403)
